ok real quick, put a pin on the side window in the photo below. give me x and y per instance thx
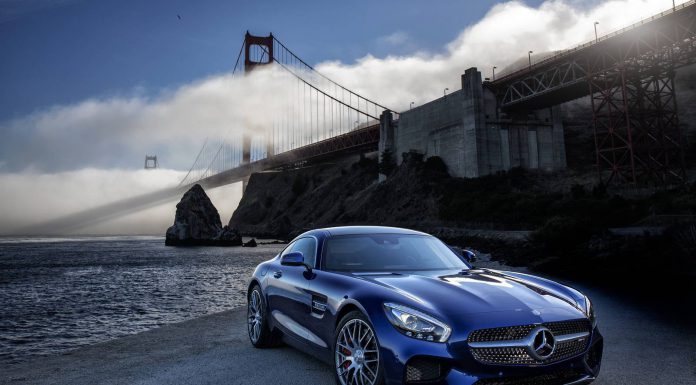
(308, 248)
(288, 249)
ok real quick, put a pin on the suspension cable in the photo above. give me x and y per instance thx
(324, 76)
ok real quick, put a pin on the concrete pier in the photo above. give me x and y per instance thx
(471, 134)
(386, 137)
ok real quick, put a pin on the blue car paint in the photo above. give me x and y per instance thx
(465, 300)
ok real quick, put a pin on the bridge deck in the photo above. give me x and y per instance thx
(357, 141)
(666, 38)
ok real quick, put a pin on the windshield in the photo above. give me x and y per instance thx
(389, 252)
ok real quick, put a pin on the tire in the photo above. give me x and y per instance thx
(259, 333)
(356, 363)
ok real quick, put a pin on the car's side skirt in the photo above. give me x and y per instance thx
(321, 354)
(297, 329)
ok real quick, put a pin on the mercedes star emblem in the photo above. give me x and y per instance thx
(543, 344)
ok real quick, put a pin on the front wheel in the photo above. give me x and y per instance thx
(356, 352)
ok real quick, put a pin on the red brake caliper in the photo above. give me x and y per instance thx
(347, 353)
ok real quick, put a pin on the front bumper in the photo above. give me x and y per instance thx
(406, 361)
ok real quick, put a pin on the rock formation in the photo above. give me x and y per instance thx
(250, 243)
(197, 222)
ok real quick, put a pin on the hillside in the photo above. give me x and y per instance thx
(569, 218)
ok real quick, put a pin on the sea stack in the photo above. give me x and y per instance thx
(197, 223)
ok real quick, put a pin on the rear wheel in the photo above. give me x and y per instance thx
(356, 352)
(257, 322)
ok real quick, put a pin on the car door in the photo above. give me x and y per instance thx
(288, 296)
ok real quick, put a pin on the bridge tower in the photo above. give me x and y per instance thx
(151, 162)
(258, 51)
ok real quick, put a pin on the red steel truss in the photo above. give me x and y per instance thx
(636, 128)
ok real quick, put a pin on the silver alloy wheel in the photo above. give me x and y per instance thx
(254, 317)
(357, 354)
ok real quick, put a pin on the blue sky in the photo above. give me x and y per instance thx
(60, 52)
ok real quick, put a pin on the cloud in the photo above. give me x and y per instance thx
(31, 198)
(396, 38)
(500, 39)
(119, 131)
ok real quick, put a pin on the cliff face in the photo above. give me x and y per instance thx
(282, 204)
(566, 216)
(279, 204)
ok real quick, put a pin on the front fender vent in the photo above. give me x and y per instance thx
(425, 369)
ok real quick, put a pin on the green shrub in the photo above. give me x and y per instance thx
(684, 236)
(562, 233)
(577, 191)
(299, 186)
(387, 164)
(436, 164)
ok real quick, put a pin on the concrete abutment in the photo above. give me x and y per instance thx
(473, 136)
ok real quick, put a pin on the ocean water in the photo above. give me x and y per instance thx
(57, 294)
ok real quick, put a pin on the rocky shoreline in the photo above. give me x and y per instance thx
(562, 223)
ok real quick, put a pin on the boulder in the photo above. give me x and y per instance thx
(229, 237)
(250, 243)
(197, 222)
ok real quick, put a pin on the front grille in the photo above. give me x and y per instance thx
(518, 355)
(555, 378)
(503, 356)
(500, 334)
(518, 332)
(568, 349)
(568, 327)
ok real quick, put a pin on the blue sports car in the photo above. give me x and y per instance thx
(390, 306)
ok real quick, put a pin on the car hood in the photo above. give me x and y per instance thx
(456, 294)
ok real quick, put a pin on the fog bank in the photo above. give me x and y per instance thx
(32, 198)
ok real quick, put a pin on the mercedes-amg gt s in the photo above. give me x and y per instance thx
(388, 305)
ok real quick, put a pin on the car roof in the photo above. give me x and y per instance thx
(357, 230)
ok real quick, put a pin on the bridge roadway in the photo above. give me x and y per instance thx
(360, 140)
(666, 40)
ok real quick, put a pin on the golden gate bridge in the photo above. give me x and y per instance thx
(628, 74)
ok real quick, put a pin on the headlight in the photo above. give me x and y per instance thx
(589, 311)
(415, 324)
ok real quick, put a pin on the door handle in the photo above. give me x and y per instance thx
(278, 274)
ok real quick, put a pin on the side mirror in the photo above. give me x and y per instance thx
(467, 255)
(294, 258)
